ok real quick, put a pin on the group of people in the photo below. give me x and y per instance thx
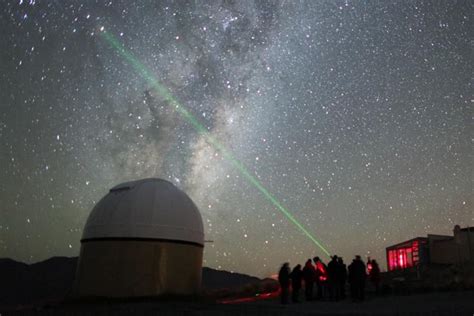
(328, 282)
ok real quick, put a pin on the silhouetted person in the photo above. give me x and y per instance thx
(308, 277)
(342, 272)
(321, 277)
(333, 279)
(374, 276)
(284, 279)
(296, 277)
(357, 277)
(350, 270)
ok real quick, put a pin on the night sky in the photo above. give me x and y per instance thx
(356, 116)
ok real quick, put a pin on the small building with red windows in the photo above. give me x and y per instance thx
(433, 249)
(408, 254)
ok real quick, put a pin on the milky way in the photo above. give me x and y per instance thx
(356, 116)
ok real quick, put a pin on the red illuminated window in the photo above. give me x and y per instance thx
(404, 257)
(392, 260)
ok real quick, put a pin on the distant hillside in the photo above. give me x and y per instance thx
(216, 279)
(47, 280)
(52, 279)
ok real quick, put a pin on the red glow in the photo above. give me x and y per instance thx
(322, 271)
(257, 297)
(392, 264)
(403, 257)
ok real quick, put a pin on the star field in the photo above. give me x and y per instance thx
(355, 115)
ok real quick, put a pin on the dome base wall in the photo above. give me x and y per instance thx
(134, 268)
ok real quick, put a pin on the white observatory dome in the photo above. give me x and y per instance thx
(151, 209)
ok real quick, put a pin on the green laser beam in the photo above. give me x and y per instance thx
(164, 92)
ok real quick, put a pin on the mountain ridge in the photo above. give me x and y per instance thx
(51, 280)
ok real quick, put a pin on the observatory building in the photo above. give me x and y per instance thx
(144, 238)
(433, 249)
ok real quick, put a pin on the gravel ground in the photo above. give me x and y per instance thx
(443, 303)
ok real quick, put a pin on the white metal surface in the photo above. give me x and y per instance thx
(148, 208)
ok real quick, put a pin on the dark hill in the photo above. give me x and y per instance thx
(216, 279)
(51, 280)
(48, 280)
